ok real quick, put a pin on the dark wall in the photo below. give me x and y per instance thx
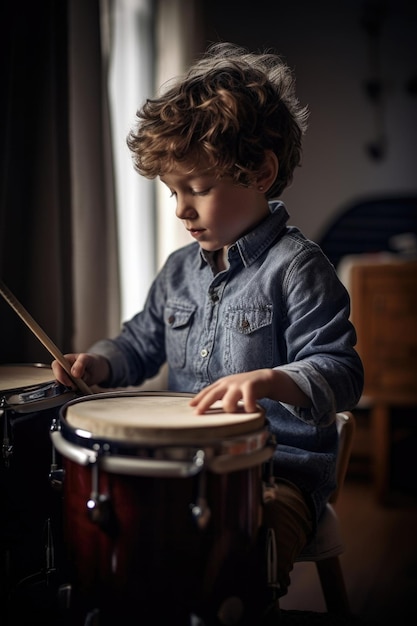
(345, 54)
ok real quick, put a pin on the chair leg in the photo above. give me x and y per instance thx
(333, 585)
(380, 429)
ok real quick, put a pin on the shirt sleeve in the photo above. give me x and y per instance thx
(320, 339)
(138, 352)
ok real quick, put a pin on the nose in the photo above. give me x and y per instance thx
(185, 209)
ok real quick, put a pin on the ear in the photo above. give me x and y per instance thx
(268, 172)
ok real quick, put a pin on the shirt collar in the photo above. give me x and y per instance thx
(254, 243)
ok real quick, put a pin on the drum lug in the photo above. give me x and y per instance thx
(200, 511)
(99, 505)
(99, 510)
(56, 475)
(7, 448)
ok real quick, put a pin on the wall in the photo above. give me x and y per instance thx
(327, 45)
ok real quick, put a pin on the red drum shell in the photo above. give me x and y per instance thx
(153, 557)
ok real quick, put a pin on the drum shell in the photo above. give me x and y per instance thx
(154, 548)
(30, 402)
(27, 497)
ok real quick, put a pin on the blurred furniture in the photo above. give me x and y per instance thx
(327, 544)
(384, 312)
(369, 225)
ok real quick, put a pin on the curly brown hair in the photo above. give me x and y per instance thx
(224, 113)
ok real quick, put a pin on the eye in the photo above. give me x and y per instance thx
(204, 192)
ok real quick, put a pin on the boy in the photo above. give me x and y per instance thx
(251, 311)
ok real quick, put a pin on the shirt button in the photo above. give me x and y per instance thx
(171, 319)
(204, 352)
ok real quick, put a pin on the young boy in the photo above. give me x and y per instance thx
(251, 311)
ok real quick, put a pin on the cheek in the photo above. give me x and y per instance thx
(226, 219)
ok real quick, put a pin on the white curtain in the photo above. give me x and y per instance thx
(131, 74)
(150, 42)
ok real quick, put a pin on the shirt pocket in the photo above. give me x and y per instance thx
(178, 322)
(249, 338)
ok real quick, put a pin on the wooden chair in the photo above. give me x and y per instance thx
(327, 544)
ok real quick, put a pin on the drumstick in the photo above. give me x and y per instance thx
(42, 336)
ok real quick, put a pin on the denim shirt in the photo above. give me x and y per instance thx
(279, 304)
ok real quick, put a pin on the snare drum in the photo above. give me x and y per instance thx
(29, 402)
(29, 388)
(162, 509)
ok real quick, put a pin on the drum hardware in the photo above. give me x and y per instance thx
(49, 551)
(271, 564)
(56, 475)
(200, 510)
(46, 574)
(64, 596)
(7, 448)
(92, 618)
(168, 461)
(99, 504)
(270, 540)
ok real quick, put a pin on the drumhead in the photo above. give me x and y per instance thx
(155, 418)
(14, 377)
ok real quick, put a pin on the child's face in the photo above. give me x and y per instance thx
(216, 212)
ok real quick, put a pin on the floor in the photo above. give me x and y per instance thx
(380, 560)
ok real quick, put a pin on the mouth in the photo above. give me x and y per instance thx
(196, 232)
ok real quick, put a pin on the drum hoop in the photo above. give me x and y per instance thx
(169, 461)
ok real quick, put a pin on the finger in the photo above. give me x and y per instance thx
(61, 375)
(203, 401)
(80, 366)
(202, 394)
(249, 400)
(231, 399)
(197, 398)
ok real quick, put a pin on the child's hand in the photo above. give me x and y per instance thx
(91, 368)
(247, 386)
